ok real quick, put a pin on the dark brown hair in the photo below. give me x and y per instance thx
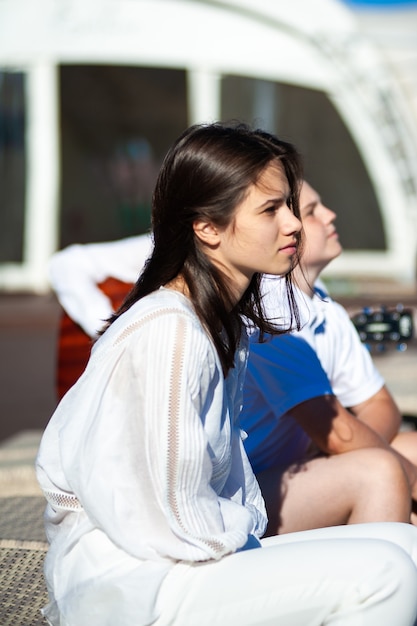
(205, 175)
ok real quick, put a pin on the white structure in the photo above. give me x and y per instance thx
(310, 44)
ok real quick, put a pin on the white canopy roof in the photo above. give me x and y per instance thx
(313, 44)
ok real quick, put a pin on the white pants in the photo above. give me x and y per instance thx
(357, 575)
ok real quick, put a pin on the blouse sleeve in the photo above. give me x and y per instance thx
(161, 454)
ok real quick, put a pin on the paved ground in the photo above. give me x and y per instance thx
(28, 329)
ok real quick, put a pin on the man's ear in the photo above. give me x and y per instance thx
(206, 232)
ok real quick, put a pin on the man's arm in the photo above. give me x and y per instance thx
(333, 428)
(336, 430)
(381, 413)
(76, 271)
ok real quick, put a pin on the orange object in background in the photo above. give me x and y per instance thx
(74, 345)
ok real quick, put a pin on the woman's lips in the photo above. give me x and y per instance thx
(289, 249)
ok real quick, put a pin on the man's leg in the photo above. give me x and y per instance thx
(366, 485)
(406, 444)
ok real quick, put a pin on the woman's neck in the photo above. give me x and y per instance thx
(178, 284)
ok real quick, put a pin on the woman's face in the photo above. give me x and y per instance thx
(321, 243)
(262, 235)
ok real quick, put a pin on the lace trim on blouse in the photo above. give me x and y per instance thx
(173, 437)
(62, 501)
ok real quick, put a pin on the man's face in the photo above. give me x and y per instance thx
(321, 242)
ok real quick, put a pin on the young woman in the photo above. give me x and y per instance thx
(154, 515)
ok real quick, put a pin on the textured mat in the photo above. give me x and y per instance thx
(17, 469)
(22, 587)
(21, 518)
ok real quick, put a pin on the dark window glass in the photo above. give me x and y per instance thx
(12, 166)
(333, 164)
(117, 123)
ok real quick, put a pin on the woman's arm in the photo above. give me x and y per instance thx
(202, 479)
(156, 469)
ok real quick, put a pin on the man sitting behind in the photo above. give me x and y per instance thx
(315, 394)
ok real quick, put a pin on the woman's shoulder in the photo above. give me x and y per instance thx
(164, 302)
(162, 307)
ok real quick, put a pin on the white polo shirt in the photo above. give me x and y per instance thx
(325, 357)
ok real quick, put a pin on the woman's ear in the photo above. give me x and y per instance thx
(206, 232)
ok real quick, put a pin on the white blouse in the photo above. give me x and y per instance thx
(143, 465)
